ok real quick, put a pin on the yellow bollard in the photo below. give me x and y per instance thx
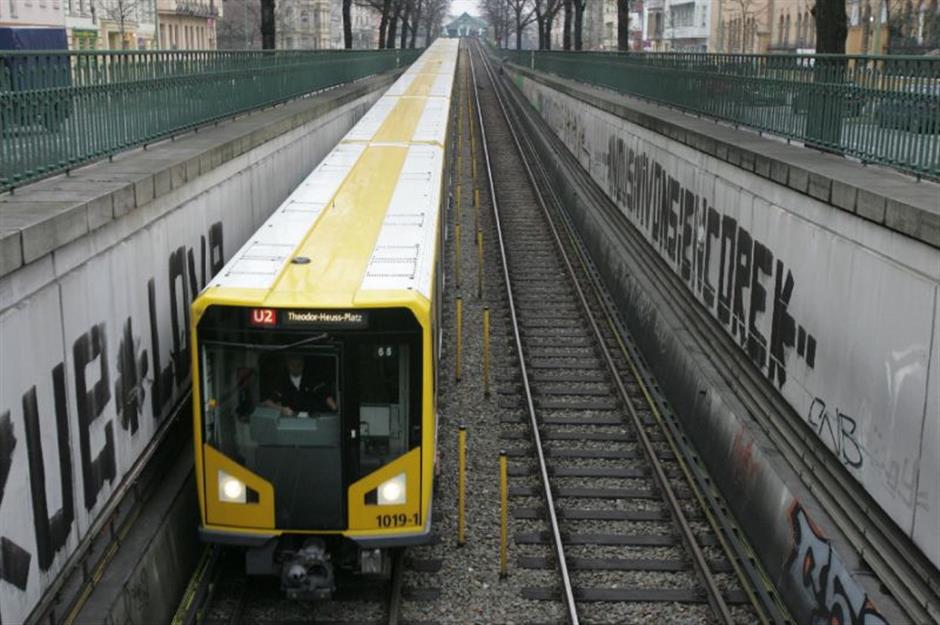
(457, 252)
(486, 351)
(503, 515)
(461, 483)
(459, 338)
(479, 263)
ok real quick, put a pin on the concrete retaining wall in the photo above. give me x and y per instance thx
(94, 301)
(838, 313)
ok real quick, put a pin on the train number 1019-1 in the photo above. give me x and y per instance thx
(396, 520)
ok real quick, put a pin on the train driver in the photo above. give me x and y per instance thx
(298, 389)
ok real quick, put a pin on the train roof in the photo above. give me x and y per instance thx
(366, 217)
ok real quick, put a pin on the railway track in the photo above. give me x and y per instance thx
(221, 594)
(608, 496)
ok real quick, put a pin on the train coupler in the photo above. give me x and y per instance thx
(308, 573)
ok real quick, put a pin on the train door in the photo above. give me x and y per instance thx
(378, 411)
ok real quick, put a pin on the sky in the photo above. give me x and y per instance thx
(459, 6)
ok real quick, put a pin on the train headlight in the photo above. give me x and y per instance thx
(392, 492)
(231, 489)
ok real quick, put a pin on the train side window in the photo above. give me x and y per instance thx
(383, 374)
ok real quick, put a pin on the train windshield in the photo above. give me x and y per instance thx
(301, 408)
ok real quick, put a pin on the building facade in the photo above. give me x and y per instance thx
(188, 24)
(676, 25)
(110, 24)
(303, 24)
(318, 25)
(755, 26)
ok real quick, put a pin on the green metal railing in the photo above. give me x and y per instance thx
(61, 109)
(879, 109)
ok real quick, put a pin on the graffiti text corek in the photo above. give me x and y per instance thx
(187, 275)
(731, 272)
(816, 570)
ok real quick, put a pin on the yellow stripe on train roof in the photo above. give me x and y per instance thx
(340, 245)
(366, 217)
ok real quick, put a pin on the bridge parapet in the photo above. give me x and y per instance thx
(878, 109)
(61, 109)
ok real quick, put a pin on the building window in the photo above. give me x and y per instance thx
(786, 31)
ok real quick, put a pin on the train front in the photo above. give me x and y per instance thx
(314, 437)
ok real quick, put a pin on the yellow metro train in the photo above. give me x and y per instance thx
(315, 349)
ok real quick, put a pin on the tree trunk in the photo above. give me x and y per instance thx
(548, 30)
(831, 29)
(383, 22)
(623, 25)
(392, 29)
(415, 23)
(267, 24)
(404, 25)
(347, 24)
(566, 37)
(824, 120)
(579, 6)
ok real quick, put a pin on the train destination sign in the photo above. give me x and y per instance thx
(325, 319)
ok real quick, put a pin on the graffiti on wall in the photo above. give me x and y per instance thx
(140, 374)
(816, 570)
(732, 272)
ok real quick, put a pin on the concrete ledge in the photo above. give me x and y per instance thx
(874, 193)
(145, 580)
(39, 218)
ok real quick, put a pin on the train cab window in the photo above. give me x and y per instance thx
(384, 403)
(256, 400)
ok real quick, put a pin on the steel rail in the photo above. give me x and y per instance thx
(906, 574)
(753, 579)
(398, 578)
(713, 592)
(567, 590)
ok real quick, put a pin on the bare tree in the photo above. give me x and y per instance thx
(239, 28)
(121, 12)
(742, 30)
(524, 15)
(433, 16)
(498, 15)
(545, 11)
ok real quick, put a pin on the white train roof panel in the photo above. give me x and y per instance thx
(258, 262)
(403, 255)
(433, 123)
(370, 123)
